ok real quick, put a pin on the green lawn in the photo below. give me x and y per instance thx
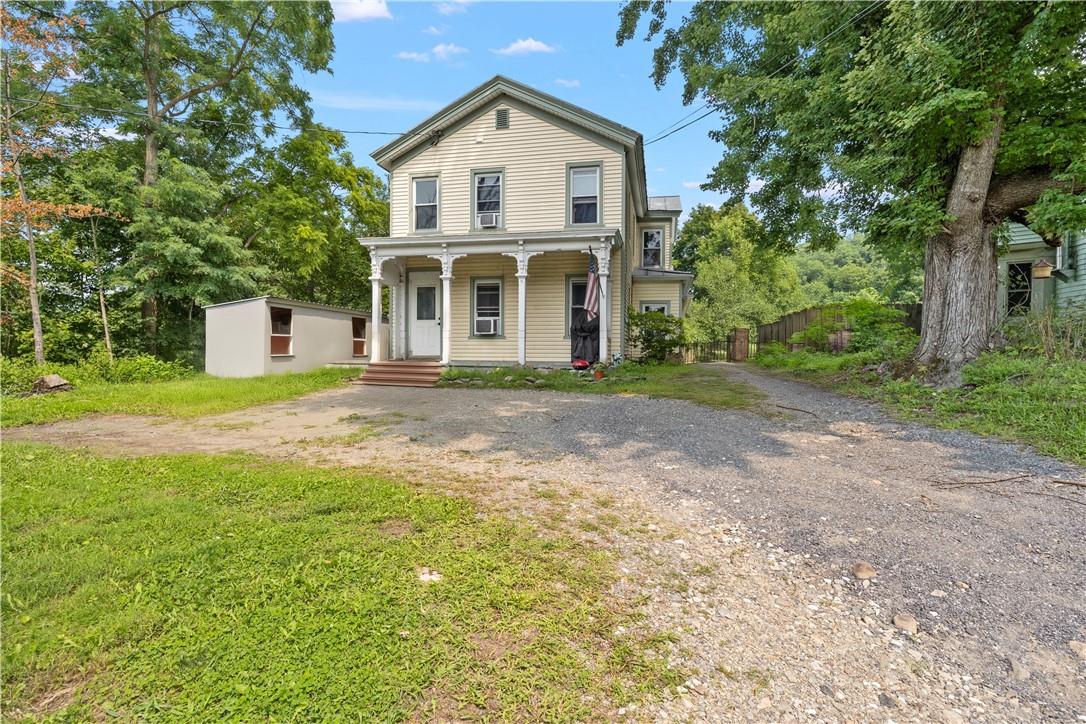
(1025, 398)
(704, 384)
(231, 587)
(189, 397)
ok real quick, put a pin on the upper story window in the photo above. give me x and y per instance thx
(425, 204)
(652, 247)
(584, 195)
(488, 200)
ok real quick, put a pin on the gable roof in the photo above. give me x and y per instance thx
(471, 102)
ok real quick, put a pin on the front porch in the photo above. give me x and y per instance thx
(492, 299)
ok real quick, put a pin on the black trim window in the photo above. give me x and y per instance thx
(652, 248)
(425, 204)
(488, 195)
(1019, 288)
(584, 195)
(577, 290)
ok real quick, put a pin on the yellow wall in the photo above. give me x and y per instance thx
(658, 291)
(534, 154)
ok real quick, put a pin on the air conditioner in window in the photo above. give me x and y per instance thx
(488, 220)
(486, 326)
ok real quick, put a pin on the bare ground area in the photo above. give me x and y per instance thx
(737, 531)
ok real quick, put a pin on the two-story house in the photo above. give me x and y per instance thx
(498, 202)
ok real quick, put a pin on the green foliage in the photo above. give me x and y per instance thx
(878, 327)
(819, 336)
(704, 384)
(237, 588)
(18, 374)
(850, 269)
(737, 282)
(1055, 333)
(655, 334)
(182, 396)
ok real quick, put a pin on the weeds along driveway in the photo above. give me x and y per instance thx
(979, 540)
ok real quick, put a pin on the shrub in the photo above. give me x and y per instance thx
(656, 334)
(1054, 333)
(878, 328)
(17, 374)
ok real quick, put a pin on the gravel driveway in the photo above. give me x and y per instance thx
(983, 542)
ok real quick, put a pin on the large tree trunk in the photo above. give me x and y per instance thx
(960, 313)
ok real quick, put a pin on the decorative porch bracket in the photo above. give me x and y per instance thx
(522, 256)
(446, 258)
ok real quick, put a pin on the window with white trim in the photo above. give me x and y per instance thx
(584, 195)
(652, 248)
(662, 307)
(488, 306)
(425, 210)
(488, 199)
(282, 326)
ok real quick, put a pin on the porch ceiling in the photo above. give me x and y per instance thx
(492, 243)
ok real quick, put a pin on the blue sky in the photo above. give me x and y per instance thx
(398, 62)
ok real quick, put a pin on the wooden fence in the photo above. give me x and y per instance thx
(783, 329)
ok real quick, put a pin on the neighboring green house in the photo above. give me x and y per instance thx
(1021, 292)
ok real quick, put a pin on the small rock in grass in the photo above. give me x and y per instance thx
(1079, 647)
(428, 576)
(906, 622)
(863, 570)
(50, 383)
(508, 378)
(938, 593)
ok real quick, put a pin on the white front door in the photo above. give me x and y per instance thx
(424, 314)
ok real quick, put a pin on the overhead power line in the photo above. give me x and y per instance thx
(867, 10)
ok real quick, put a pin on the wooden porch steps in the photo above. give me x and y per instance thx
(402, 373)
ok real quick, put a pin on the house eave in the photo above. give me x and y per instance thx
(563, 240)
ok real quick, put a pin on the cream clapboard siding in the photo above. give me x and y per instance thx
(534, 154)
(484, 349)
(659, 291)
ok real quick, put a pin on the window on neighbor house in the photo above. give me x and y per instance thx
(1019, 288)
(652, 248)
(584, 195)
(488, 199)
(488, 301)
(655, 307)
(576, 294)
(425, 204)
(282, 323)
(358, 336)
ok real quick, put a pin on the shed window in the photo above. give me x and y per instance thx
(652, 246)
(425, 204)
(584, 195)
(1019, 288)
(358, 336)
(282, 324)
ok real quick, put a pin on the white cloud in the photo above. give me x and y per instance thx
(452, 7)
(691, 184)
(447, 51)
(567, 83)
(524, 46)
(357, 102)
(434, 30)
(347, 11)
(413, 55)
(755, 185)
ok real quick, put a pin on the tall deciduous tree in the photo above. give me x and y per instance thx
(198, 78)
(923, 124)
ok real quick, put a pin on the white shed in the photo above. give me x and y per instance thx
(268, 335)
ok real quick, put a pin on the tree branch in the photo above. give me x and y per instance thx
(231, 73)
(1014, 192)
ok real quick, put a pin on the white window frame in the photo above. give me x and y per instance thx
(475, 305)
(649, 303)
(437, 204)
(598, 169)
(655, 229)
(500, 173)
(289, 336)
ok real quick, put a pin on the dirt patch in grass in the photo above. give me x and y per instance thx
(396, 527)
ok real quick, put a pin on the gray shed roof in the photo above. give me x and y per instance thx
(665, 203)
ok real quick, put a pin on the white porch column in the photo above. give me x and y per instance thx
(446, 258)
(376, 352)
(522, 256)
(604, 259)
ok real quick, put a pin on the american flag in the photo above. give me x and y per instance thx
(592, 289)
